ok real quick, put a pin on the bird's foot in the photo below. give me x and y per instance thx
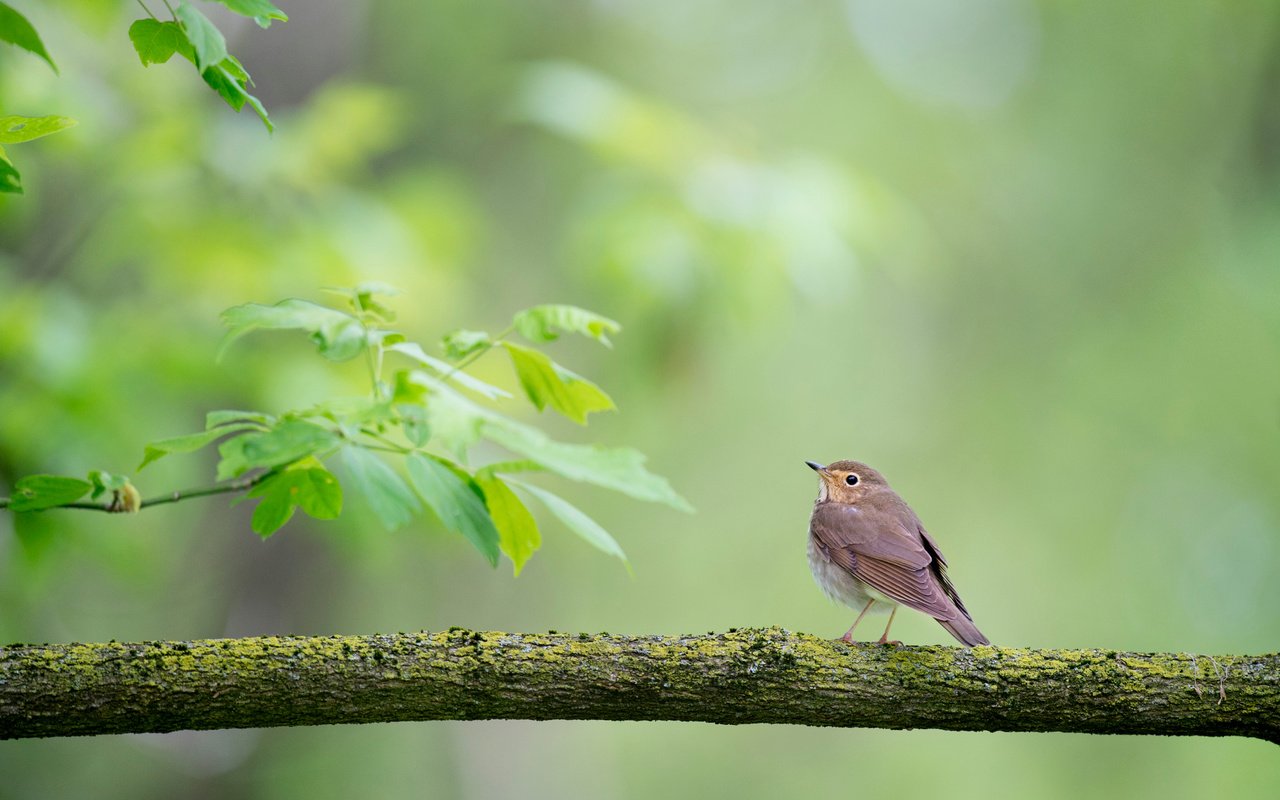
(883, 640)
(847, 638)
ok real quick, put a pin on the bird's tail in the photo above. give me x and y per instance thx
(964, 630)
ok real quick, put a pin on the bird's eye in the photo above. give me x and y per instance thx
(851, 479)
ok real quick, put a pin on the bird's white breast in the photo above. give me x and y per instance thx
(841, 586)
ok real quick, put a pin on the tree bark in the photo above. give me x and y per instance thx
(742, 676)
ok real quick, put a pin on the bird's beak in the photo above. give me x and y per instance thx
(817, 467)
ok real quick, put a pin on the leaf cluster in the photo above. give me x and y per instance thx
(405, 446)
(192, 35)
(188, 33)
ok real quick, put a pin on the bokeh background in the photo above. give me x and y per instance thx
(1022, 257)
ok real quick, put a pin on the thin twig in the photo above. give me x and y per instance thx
(241, 485)
(390, 445)
(244, 484)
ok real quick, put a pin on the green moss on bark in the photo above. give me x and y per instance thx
(742, 676)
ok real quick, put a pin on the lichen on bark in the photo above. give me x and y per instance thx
(741, 676)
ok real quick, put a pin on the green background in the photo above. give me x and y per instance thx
(1021, 258)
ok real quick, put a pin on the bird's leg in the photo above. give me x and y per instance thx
(884, 637)
(848, 635)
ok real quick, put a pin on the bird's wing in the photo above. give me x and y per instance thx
(896, 561)
(939, 569)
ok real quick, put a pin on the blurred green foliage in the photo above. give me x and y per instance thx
(1029, 272)
(188, 33)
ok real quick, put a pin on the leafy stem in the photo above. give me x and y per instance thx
(474, 357)
(374, 363)
(114, 506)
(403, 450)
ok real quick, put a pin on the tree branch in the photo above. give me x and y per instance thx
(743, 676)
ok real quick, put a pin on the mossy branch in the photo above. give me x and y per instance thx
(743, 676)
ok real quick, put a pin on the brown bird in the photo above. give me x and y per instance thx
(867, 548)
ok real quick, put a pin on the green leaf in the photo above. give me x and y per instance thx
(462, 343)
(361, 299)
(156, 41)
(16, 30)
(315, 490)
(200, 42)
(455, 421)
(339, 336)
(229, 88)
(191, 442)
(541, 323)
(10, 178)
(408, 388)
(414, 423)
(262, 11)
(14, 129)
(289, 441)
(548, 383)
(229, 79)
(621, 469)
(223, 416)
(206, 40)
(367, 289)
(456, 500)
(446, 370)
(36, 492)
(104, 482)
(518, 534)
(275, 506)
(575, 520)
(378, 312)
(319, 493)
(353, 413)
(236, 70)
(503, 467)
(261, 111)
(392, 501)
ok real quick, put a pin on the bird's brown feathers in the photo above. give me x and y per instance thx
(880, 541)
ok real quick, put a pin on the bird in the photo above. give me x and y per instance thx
(868, 548)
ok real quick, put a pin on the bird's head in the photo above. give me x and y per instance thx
(845, 481)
